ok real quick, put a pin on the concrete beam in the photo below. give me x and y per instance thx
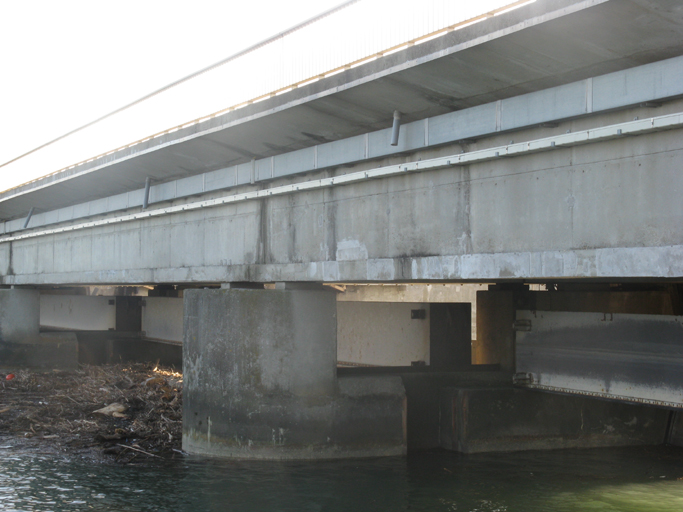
(585, 98)
(528, 217)
(483, 63)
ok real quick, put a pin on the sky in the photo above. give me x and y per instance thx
(64, 63)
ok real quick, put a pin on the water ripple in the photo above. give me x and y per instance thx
(632, 479)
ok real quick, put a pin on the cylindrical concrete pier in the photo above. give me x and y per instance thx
(260, 381)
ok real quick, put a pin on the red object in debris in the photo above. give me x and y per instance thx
(10, 376)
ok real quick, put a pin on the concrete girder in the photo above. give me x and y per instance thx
(532, 216)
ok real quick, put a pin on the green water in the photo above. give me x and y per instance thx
(625, 479)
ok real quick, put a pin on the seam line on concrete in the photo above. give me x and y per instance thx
(601, 134)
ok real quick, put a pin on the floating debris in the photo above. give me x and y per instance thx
(82, 411)
(114, 410)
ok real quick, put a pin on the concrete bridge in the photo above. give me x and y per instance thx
(536, 164)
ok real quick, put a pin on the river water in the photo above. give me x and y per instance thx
(621, 479)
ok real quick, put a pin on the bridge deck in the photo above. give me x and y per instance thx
(542, 45)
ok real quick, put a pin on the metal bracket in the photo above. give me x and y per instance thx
(521, 325)
(418, 314)
(522, 379)
(339, 287)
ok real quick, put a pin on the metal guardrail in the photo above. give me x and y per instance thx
(594, 135)
(351, 34)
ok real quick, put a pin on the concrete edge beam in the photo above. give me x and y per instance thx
(568, 140)
(647, 84)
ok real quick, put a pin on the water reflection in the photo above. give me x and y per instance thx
(633, 479)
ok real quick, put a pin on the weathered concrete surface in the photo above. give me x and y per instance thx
(450, 343)
(505, 419)
(260, 381)
(162, 318)
(459, 224)
(675, 436)
(111, 347)
(382, 334)
(495, 343)
(423, 392)
(19, 315)
(633, 302)
(541, 45)
(77, 312)
(425, 293)
(423, 387)
(21, 343)
(438, 292)
(53, 350)
(636, 358)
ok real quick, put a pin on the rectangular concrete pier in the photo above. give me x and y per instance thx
(507, 419)
(21, 343)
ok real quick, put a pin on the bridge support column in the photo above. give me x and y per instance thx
(21, 343)
(495, 342)
(19, 315)
(261, 381)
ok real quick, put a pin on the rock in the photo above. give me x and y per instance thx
(155, 381)
(114, 409)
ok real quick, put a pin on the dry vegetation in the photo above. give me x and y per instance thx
(57, 410)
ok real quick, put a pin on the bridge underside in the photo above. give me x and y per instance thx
(298, 370)
(557, 202)
(540, 46)
(602, 210)
(594, 225)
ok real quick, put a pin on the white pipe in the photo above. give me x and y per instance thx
(28, 217)
(145, 199)
(395, 128)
